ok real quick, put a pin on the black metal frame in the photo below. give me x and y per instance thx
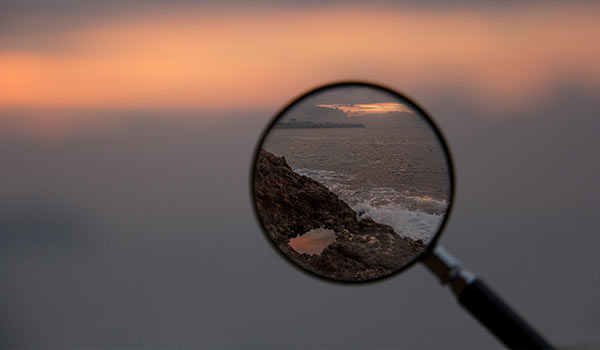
(413, 105)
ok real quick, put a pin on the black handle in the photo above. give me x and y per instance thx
(500, 319)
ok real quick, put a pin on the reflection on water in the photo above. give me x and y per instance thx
(313, 241)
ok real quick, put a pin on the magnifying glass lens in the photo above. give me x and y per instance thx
(352, 182)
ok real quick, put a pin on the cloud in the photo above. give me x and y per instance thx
(240, 58)
(382, 108)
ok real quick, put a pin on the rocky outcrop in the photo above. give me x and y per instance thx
(290, 205)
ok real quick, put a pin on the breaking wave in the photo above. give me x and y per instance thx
(408, 223)
(413, 216)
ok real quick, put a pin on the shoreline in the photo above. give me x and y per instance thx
(290, 205)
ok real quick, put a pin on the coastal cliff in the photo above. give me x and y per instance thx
(290, 205)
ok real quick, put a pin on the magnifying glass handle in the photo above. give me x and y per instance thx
(499, 318)
(484, 304)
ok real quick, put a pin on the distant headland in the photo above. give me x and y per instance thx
(295, 124)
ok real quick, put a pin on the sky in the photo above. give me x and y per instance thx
(354, 103)
(127, 131)
(234, 56)
(356, 100)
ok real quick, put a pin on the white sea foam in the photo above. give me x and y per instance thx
(330, 179)
(384, 197)
(412, 224)
(328, 175)
(411, 216)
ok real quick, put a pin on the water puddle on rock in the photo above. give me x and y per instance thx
(313, 241)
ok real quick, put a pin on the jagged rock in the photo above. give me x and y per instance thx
(290, 205)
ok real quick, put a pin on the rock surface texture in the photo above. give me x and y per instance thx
(290, 205)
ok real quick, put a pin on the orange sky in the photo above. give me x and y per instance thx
(237, 60)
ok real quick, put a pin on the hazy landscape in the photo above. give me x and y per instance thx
(128, 131)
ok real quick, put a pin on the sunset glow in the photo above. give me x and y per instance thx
(252, 59)
(356, 110)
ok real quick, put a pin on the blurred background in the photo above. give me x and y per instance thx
(127, 130)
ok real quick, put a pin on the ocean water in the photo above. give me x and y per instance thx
(396, 176)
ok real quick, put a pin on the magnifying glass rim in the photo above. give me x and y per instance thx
(402, 97)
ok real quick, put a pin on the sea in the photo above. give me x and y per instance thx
(397, 176)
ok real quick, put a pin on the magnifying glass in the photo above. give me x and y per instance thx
(353, 182)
